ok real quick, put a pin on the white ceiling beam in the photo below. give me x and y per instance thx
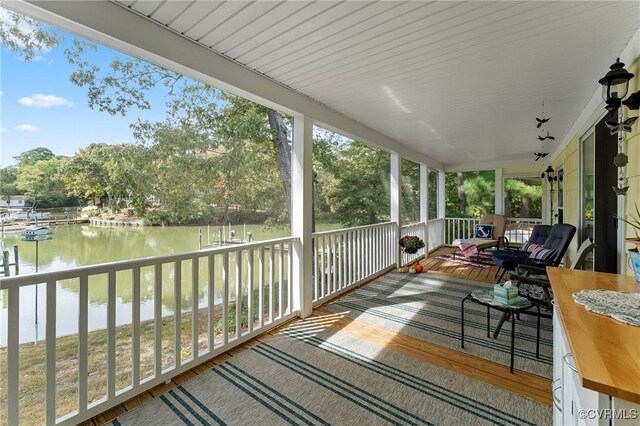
(120, 28)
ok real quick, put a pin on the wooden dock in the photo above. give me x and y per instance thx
(20, 226)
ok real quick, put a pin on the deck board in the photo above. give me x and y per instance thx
(438, 266)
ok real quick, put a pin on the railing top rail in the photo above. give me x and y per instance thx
(26, 280)
(407, 225)
(437, 218)
(355, 228)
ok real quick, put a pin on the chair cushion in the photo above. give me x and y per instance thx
(484, 231)
(530, 247)
(543, 254)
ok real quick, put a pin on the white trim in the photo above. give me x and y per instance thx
(116, 26)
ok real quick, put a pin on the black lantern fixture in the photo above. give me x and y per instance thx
(615, 85)
(550, 175)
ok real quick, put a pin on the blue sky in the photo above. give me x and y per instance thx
(40, 107)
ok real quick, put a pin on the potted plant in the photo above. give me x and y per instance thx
(411, 244)
(634, 254)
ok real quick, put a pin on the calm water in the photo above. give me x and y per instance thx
(80, 245)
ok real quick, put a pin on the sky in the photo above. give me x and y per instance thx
(40, 107)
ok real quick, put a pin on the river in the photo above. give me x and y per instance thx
(80, 245)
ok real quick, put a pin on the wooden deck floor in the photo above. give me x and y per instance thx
(526, 384)
(438, 266)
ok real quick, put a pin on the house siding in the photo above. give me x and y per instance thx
(570, 158)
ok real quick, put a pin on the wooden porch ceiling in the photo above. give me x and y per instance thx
(459, 81)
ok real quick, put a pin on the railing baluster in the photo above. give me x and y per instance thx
(157, 318)
(238, 294)
(322, 269)
(195, 308)
(13, 355)
(225, 298)
(250, 272)
(340, 239)
(280, 280)
(315, 258)
(135, 326)
(211, 301)
(177, 313)
(334, 268)
(83, 342)
(111, 334)
(50, 368)
(271, 280)
(261, 287)
(289, 280)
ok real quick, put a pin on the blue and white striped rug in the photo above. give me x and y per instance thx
(428, 306)
(316, 375)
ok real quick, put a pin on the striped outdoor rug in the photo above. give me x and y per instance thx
(316, 375)
(427, 307)
(481, 260)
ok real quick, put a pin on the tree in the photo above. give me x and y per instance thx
(128, 81)
(8, 178)
(32, 156)
(25, 36)
(361, 194)
(42, 183)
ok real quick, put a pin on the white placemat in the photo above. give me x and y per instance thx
(624, 307)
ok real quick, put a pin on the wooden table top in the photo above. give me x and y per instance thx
(606, 351)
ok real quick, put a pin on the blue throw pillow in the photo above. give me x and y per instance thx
(484, 231)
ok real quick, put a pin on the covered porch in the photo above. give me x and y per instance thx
(415, 97)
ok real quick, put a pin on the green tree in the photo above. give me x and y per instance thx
(26, 36)
(32, 156)
(42, 183)
(361, 194)
(8, 178)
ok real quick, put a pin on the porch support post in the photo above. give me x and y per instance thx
(441, 204)
(424, 204)
(301, 214)
(499, 203)
(395, 194)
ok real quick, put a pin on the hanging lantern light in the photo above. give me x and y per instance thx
(615, 85)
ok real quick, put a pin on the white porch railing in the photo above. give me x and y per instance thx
(346, 257)
(419, 230)
(251, 280)
(518, 230)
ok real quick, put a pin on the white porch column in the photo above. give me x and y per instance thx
(395, 194)
(441, 204)
(424, 204)
(441, 195)
(301, 213)
(499, 203)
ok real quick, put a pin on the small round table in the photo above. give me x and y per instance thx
(485, 297)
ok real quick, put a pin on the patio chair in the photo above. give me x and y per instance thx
(539, 235)
(533, 283)
(550, 254)
(498, 224)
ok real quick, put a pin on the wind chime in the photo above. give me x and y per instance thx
(615, 85)
(540, 126)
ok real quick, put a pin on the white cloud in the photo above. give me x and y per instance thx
(40, 100)
(1, 92)
(2, 130)
(27, 128)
